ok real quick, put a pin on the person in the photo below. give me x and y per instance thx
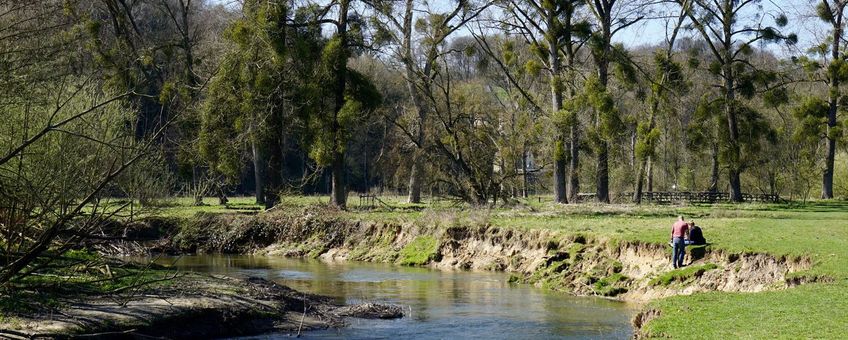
(696, 237)
(679, 232)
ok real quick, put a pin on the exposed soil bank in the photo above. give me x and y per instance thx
(194, 306)
(574, 263)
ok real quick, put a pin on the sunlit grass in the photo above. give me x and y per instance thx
(815, 311)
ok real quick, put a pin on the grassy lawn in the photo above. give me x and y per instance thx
(817, 230)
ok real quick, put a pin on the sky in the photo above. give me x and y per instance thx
(653, 31)
(799, 12)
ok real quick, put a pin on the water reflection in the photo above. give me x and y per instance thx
(443, 304)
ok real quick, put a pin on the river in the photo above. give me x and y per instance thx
(440, 304)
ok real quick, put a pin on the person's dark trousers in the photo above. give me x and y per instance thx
(679, 251)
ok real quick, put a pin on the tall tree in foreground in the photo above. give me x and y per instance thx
(730, 34)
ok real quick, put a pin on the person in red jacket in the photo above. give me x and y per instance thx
(679, 234)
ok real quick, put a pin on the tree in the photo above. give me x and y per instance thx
(524, 124)
(832, 73)
(473, 137)
(127, 40)
(555, 35)
(250, 101)
(730, 40)
(667, 79)
(164, 50)
(351, 93)
(415, 34)
(608, 18)
(64, 140)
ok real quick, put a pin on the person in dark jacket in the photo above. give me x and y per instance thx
(696, 236)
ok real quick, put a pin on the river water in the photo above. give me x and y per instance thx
(440, 304)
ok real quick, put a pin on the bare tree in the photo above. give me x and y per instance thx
(417, 50)
(668, 79)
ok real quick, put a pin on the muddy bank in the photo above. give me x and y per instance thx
(574, 263)
(193, 306)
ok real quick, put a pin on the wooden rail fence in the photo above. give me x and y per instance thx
(698, 197)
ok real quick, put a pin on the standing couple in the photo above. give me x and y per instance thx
(683, 233)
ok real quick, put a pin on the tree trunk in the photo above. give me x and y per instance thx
(555, 64)
(603, 61)
(415, 173)
(714, 173)
(735, 185)
(339, 190)
(633, 148)
(643, 163)
(574, 165)
(560, 194)
(734, 166)
(415, 179)
(603, 173)
(637, 194)
(827, 176)
(257, 173)
(525, 177)
(833, 109)
(650, 172)
(574, 128)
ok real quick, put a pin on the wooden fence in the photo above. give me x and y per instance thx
(697, 197)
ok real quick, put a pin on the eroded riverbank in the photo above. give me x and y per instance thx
(575, 263)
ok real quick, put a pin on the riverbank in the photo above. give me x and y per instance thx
(184, 305)
(577, 263)
(785, 262)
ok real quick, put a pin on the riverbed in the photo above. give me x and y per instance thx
(439, 304)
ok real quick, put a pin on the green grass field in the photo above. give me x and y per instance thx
(817, 230)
